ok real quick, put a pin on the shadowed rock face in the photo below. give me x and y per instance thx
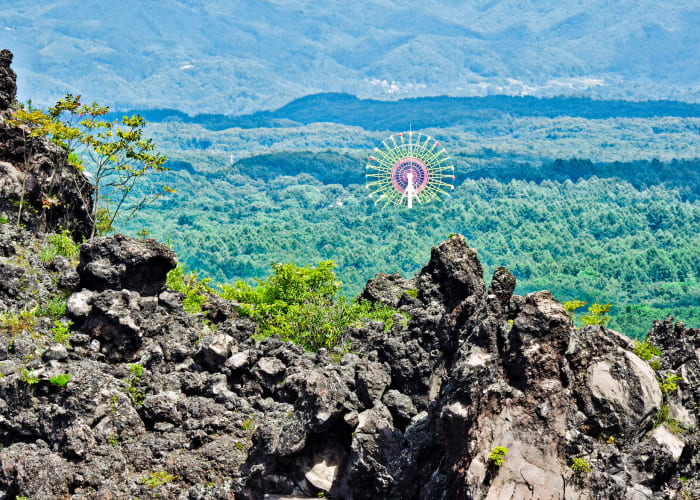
(123, 262)
(37, 170)
(8, 80)
(413, 412)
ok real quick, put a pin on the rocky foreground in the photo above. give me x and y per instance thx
(160, 403)
(412, 412)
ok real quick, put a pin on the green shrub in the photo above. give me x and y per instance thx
(60, 380)
(59, 244)
(300, 304)
(113, 440)
(28, 377)
(597, 315)
(670, 383)
(570, 307)
(580, 466)
(190, 285)
(498, 455)
(155, 479)
(61, 332)
(645, 350)
(412, 293)
(3, 219)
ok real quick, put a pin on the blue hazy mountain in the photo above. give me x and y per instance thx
(235, 57)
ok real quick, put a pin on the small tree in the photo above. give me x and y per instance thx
(498, 455)
(570, 308)
(301, 304)
(117, 156)
(34, 123)
(597, 315)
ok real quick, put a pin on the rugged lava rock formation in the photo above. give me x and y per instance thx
(412, 412)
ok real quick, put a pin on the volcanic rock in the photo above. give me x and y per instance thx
(121, 262)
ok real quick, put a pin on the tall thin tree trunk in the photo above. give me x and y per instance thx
(94, 211)
(24, 178)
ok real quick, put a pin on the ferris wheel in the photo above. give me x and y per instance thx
(407, 167)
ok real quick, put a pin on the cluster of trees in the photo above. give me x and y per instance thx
(597, 240)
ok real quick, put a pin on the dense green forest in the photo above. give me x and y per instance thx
(595, 239)
(593, 200)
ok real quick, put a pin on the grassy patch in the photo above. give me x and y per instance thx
(59, 244)
(189, 284)
(53, 308)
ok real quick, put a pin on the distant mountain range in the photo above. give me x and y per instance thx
(238, 57)
(424, 112)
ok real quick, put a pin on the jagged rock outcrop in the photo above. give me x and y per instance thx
(35, 173)
(8, 80)
(161, 402)
(122, 262)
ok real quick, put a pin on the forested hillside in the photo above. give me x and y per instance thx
(425, 112)
(599, 239)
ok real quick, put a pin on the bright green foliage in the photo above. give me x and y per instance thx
(54, 308)
(60, 380)
(3, 219)
(189, 284)
(28, 377)
(59, 244)
(580, 466)
(646, 349)
(301, 304)
(570, 307)
(412, 292)
(33, 123)
(132, 385)
(498, 455)
(670, 384)
(117, 155)
(597, 315)
(61, 332)
(155, 479)
(113, 440)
